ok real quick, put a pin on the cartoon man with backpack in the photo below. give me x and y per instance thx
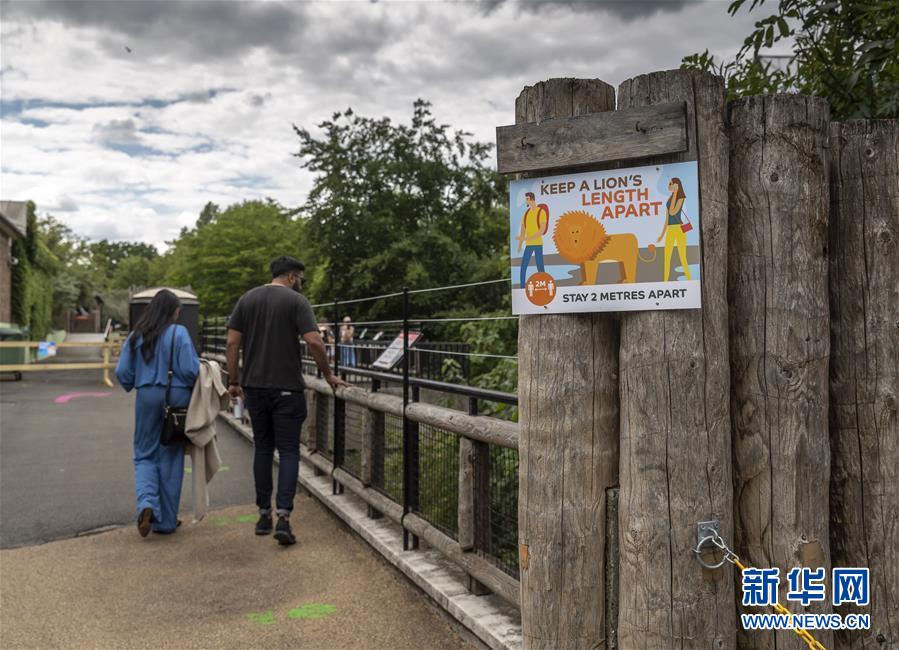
(534, 225)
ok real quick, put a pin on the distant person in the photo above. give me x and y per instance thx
(534, 225)
(347, 347)
(155, 343)
(267, 323)
(328, 338)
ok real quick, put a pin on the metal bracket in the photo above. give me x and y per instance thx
(706, 531)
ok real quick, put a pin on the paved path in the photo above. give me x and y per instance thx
(214, 585)
(65, 468)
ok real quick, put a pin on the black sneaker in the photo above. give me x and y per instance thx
(283, 533)
(264, 525)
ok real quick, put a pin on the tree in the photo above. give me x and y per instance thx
(209, 214)
(395, 205)
(230, 254)
(846, 51)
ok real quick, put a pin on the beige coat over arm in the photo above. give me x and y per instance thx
(210, 395)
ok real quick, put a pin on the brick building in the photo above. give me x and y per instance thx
(13, 222)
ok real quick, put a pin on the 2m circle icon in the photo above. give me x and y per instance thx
(541, 289)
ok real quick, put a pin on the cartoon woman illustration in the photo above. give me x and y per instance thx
(673, 230)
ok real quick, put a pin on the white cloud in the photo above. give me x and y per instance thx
(132, 144)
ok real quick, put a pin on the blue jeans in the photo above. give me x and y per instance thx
(537, 252)
(347, 355)
(277, 416)
(158, 468)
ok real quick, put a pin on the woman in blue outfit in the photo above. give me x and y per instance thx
(144, 364)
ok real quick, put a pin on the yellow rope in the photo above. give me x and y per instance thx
(805, 635)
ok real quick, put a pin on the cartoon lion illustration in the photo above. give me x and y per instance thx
(581, 239)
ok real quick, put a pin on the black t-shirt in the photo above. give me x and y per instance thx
(271, 319)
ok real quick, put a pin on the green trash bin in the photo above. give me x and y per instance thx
(13, 356)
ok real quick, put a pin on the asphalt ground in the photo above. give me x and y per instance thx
(66, 469)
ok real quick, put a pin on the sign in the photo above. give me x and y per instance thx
(45, 350)
(394, 352)
(616, 240)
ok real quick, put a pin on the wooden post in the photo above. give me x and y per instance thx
(675, 434)
(319, 402)
(373, 453)
(864, 368)
(473, 514)
(568, 388)
(466, 495)
(106, 380)
(779, 340)
(307, 433)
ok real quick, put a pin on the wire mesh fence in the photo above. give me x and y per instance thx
(501, 541)
(438, 478)
(324, 426)
(352, 451)
(393, 458)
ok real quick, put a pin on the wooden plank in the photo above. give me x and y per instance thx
(466, 495)
(373, 452)
(493, 578)
(379, 401)
(480, 465)
(477, 427)
(864, 368)
(379, 501)
(675, 435)
(779, 339)
(637, 132)
(41, 367)
(568, 446)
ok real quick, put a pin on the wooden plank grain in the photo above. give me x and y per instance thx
(568, 437)
(675, 467)
(585, 138)
(779, 339)
(477, 427)
(466, 525)
(864, 368)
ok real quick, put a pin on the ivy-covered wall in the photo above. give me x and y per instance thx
(32, 281)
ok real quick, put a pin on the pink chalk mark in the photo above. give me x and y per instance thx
(65, 399)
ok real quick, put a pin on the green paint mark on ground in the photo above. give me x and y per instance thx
(311, 611)
(246, 519)
(188, 470)
(262, 618)
(220, 521)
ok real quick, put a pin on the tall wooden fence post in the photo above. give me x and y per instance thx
(780, 340)
(567, 387)
(675, 430)
(864, 369)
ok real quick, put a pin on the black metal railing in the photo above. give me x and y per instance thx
(418, 465)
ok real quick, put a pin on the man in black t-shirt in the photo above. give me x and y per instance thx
(268, 322)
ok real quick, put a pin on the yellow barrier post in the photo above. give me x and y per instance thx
(39, 367)
(106, 380)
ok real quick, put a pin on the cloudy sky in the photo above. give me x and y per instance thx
(124, 118)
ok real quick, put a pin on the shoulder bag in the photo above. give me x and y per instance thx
(175, 418)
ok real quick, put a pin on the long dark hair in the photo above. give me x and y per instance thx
(158, 315)
(679, 193)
